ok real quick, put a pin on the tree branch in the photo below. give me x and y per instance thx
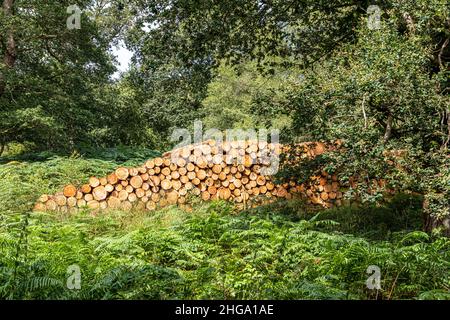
(364, 112)
(441, 52)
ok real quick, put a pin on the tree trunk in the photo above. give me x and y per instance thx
(446, 113)
(10, 56)
(388, 132)
(2, 148)
(446, 121)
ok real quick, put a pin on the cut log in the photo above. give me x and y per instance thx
(155, 197)
(334, 186)
(190, 166)
(225, 193)
(122, 173)
(158, 162)
(136, 182)
(247, 161)
(109, 188)
(93, 204)
(201, 174)
(39, 207)
(126, 205)
(261, 180)
(60, 200)
(142, 170)
(81, 203)
(205, 196)
(212, 190)
(150, 164)
(191, 175)
(140, 193)
(172, 197)
(184, 179)
(51, 205)
(151, 205)
(103, 181)
(69, 191)
(216, 168)
(281, 192)
(71, 202)
(176, 184)
(114, 194)
(132, 197)
(94, 182)
(166, 171)
(154, 181)
(103, 205)
(44, 198)
(123, 195)
(166, 184)
(182, 171)
(99, 193)
(133, 172)
(175, 175)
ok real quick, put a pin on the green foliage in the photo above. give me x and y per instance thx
(213, 254)
(242, 97)
(401, 213)
(381, 93)
(26, 177)
(47, 91)
(273, 252)
(277, 251)
(57, 92)
(312, 68)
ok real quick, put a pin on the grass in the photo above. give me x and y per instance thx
(277, 251)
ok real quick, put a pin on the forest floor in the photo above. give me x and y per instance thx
(277, 251)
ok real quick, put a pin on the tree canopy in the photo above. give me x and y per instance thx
(373, 74)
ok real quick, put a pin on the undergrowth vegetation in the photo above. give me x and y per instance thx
(277, 251)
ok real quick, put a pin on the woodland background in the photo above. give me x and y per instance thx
(316, 70)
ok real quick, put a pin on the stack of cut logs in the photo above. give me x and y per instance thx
(238, 171)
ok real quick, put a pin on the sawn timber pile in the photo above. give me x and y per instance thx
(238, 171)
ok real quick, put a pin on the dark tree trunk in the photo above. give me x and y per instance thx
(431, 222)
(9, 58)
(2, 148)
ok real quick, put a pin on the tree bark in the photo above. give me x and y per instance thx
(388, 132)
(446, 113)
(10, 55)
